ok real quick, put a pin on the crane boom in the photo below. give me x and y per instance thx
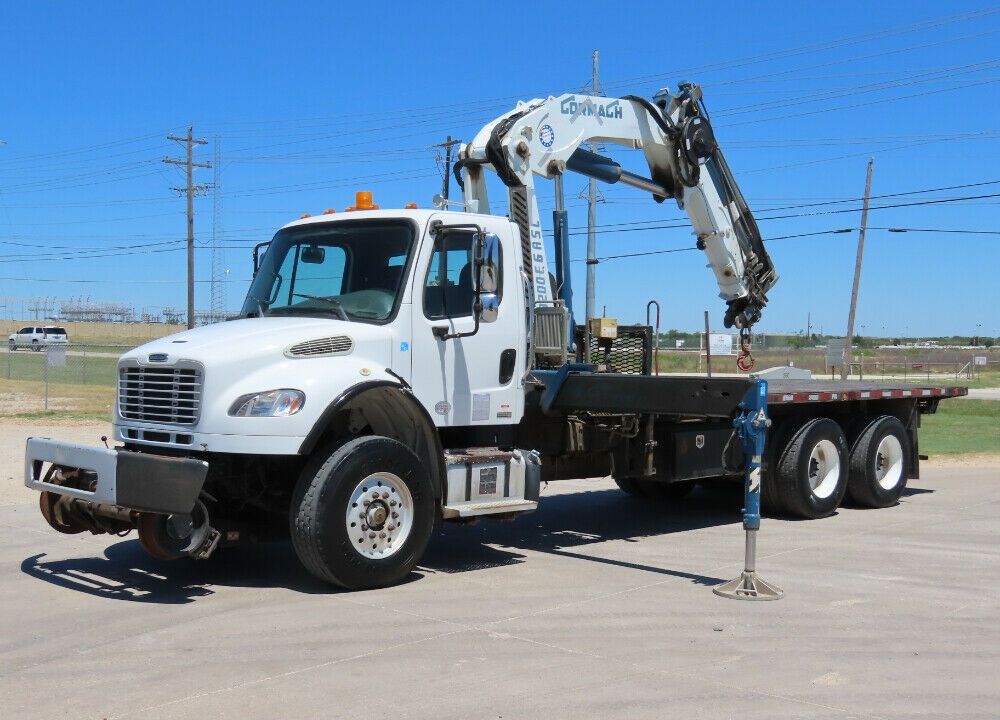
(545, 137)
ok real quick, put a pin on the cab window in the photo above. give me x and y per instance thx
(449, 289)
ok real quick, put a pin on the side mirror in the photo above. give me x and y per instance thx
(490, 307)
(487, 260)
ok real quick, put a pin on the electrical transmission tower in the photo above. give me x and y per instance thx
(191, 190)
(218, 254)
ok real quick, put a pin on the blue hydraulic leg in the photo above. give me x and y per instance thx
(751, 425)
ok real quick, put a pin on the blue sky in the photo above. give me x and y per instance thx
(309, 102)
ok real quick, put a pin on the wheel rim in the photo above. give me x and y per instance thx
(824, 469)
(379, 515)
(889, 462)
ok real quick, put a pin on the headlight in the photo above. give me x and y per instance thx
(272, 403)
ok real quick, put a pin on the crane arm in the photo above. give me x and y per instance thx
(545, 137)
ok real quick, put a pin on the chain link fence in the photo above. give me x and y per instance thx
(71, 364)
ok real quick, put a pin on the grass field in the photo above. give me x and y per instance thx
(962, 426)
(26, 399)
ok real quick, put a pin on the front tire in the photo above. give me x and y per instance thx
(811, 470)
(362, 513)
(879, 463)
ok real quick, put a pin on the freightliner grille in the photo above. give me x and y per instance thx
(160, 394)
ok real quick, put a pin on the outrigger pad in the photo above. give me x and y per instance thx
(748, 587)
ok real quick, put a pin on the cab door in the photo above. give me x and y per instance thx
(461, 374)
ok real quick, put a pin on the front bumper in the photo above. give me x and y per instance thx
(116, 477)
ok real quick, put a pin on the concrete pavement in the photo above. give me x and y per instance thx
(596, 606)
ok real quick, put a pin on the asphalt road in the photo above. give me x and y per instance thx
(596, 606)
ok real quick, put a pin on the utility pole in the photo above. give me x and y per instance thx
(191, 191)
(591, 233)
(592, 220)
(218, 257)
(447, 145)
(857, 274)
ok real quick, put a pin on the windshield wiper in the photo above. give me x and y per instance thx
(335, 304)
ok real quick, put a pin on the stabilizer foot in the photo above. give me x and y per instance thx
(748, 587)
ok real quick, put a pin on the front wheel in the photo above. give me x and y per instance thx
(12, 345)
(362, 514)
(811, 470)
(879, 460)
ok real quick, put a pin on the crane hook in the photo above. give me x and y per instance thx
(745, 360)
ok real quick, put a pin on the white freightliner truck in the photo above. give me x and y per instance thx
(396, 369)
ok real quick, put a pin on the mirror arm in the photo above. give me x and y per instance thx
(441, 331)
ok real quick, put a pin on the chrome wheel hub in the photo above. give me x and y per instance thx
(379, 515)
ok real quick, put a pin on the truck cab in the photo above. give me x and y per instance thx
(407, 281)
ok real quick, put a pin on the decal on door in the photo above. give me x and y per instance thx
(480, 406)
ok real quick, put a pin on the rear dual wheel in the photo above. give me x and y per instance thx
(809, 476)
(879, 463)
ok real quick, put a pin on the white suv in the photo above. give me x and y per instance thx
(37, 336)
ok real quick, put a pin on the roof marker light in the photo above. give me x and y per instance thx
(363, 201)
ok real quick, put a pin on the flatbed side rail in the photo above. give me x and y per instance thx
(782, 396)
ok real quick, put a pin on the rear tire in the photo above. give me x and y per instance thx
(659, 491)
(777, 439)
(879, 463)
(811, 470)
(667, 492)
(629, 485)
(362, 513)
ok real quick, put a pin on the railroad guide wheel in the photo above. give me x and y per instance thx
(362, 513)
(879, 463)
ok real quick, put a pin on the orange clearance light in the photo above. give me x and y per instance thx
(304, 216)
(329, 211)
(410, 206)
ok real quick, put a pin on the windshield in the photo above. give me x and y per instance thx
(352, 270)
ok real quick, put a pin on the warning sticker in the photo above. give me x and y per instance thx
(488, 481)
(480, 406)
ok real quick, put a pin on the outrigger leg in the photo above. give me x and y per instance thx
(751, 425)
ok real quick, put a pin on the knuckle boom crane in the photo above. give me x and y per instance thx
(433, 348)
(546, 137)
